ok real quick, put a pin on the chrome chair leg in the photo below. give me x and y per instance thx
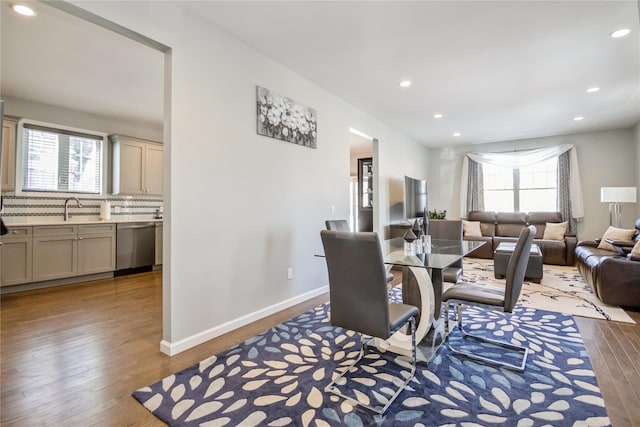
(503, 344)
(438, 331)
(377, 409)
(332, 386)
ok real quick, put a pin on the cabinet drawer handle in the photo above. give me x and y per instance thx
(79, 238)
(15, 231)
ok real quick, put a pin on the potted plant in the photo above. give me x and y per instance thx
(436, 214)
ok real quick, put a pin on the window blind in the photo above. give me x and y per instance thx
(57, 160)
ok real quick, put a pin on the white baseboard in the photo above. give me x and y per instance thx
(171, 349)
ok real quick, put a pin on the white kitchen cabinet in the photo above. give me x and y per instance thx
(16, 256)
(96, 248)
(138, 166)
(55, 252)
(8, 154)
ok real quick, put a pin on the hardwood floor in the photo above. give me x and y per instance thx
(72, 355)
(614, 350)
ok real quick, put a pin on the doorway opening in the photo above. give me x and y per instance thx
(361, 183)
(64, 24)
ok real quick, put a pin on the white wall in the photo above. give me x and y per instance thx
(606, 159)
(394, 165)
(79, 119)
(242, 208)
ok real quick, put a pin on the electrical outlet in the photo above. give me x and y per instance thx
(289, 273)
(333, 209)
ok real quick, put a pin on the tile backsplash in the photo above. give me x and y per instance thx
(53, 206)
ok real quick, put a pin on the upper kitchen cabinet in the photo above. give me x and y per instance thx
(8, 153)
(137, 165)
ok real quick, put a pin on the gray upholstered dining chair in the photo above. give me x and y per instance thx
(359, 301)
(337, 224)
(343, 225)
(494, 298)
(448, 230)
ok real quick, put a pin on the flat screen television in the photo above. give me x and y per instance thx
(415, 197)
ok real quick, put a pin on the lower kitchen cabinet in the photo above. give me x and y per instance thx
(96, 248)
(16, 257)
(55, 252)
(67, 251)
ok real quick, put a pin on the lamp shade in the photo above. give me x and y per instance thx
(618, 194)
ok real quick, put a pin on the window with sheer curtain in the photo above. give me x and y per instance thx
(60, 160)
(532, 180)
(524, 189)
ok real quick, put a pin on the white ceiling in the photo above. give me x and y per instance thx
(57, 59)
(496, 70)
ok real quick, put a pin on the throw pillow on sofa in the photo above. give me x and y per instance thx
(614, 233)
(554, 231)
(471, 228)
(636, 250)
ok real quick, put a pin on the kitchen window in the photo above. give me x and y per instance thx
(61, 160)
(524, 189)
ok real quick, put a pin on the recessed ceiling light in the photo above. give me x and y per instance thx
(438, 116)
(457, 134)
(620, 33)
(578, 118)
(593, 89)
(405, 83)
(23, 10)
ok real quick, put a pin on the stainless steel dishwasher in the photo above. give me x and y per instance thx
(135, 245)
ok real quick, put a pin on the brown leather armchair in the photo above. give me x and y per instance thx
(614, 278)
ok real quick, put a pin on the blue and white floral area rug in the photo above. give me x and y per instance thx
(278, 379)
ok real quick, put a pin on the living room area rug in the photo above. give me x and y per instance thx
(561, 290)
(278, 377)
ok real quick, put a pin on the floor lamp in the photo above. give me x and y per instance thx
(614, 196)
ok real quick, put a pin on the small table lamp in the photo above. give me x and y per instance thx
(614, 196)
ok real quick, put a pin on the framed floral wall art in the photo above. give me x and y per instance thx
(283, 118)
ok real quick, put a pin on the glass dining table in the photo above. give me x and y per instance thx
(422, 286)
(441, 254)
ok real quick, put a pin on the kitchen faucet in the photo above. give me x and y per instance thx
(66, 207)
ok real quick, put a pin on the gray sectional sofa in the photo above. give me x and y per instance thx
(497, 227)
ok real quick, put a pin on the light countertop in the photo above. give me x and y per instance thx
(38, 221)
